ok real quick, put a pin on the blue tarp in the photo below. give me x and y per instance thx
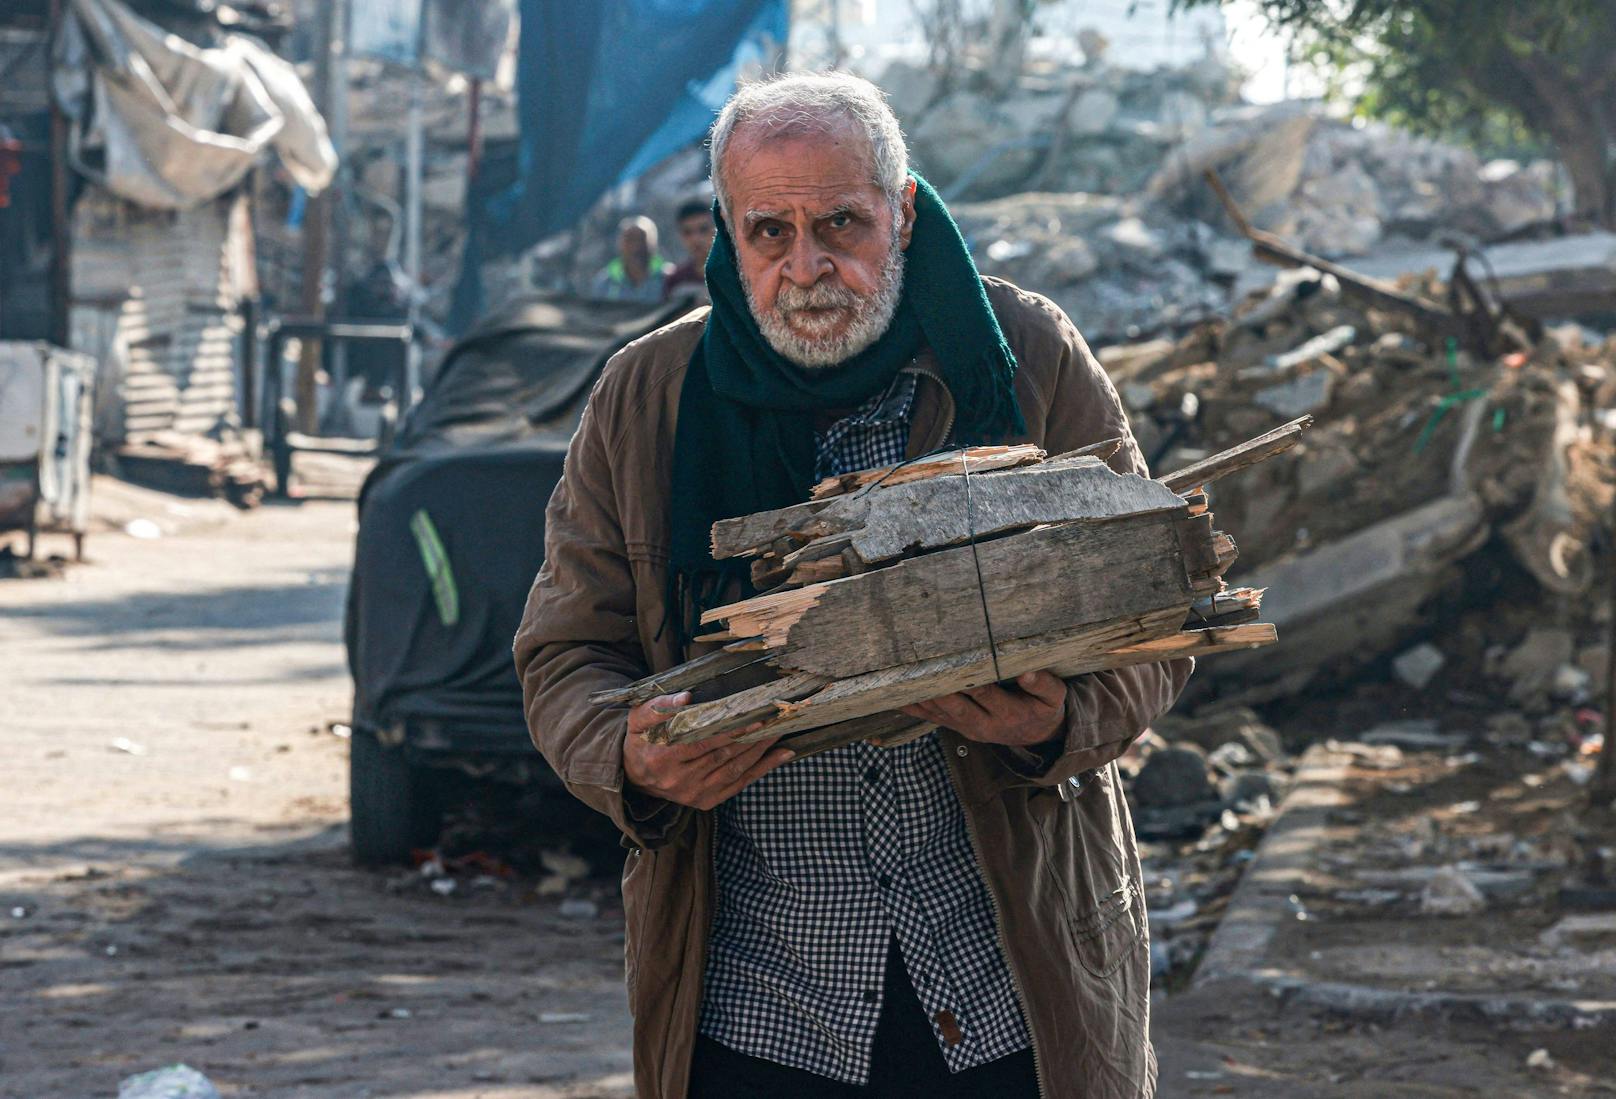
(605, 91)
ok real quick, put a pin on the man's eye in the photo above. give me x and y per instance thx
(841, 221)
(771, 231)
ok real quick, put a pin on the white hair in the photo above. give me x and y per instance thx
(644, 225)
(805, 103)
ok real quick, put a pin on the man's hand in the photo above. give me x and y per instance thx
(699, 775)
(1032, 713)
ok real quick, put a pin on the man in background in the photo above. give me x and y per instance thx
(636, 273)
(695, 224)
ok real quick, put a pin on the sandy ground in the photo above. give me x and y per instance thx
(174, 883)
(188, 897)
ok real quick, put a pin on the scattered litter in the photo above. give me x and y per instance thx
(241, 774)
(173, 1082)
(1450, 893)
(1540, 1059)
(142, 528)
(579, 908)
(395, 1013)
(564, 1017)
(340, 731)
(124, 744)
(1177, 914)
(444, 887)
(18, 912)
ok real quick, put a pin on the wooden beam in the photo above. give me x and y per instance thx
(892, 688)
(692, 673)
(894, 522)
(1237, 458)
(1056, 577)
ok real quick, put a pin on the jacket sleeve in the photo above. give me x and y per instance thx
(579, 635)
(1105, 711)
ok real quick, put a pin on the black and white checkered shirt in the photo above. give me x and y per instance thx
(821, 862)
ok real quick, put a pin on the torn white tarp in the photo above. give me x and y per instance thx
(167, 124)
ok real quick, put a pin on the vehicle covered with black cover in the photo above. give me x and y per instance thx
(451, 534)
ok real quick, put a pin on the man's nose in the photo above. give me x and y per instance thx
(806, 263)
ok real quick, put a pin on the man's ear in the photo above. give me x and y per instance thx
(907, 212)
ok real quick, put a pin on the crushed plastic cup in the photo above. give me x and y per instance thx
(173, 1082)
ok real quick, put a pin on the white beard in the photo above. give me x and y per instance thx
(818, 350)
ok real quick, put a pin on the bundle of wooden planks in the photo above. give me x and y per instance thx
(893, 586)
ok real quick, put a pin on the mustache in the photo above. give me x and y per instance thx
(792, 299)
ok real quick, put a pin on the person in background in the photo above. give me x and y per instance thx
(695, 224)
(636, 273)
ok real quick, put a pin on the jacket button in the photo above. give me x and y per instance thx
(962, 751)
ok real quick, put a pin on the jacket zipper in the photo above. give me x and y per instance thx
(998, 927)
(953, 409)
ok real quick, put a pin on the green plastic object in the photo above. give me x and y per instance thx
(438, 569)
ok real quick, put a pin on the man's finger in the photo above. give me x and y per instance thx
(733, 765)
(1047, 688)
(961, 706)
(658, 710)
(762, 767)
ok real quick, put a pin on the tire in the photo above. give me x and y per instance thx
(391, 807)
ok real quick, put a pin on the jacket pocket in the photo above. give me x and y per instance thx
(637, 872)
(1108, 933)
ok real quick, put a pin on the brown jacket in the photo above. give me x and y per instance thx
(1063, 870)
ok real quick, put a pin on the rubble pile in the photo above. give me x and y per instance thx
(1438, 491)
(1084, 182)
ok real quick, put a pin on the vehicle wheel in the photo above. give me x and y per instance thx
(391, 807)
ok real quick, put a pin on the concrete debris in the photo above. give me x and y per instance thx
(1540, 1059)
(1531, 666)
(1451, 893)
(1583, 930)
(1418, 666)
(1174, 777)
(1417, 735)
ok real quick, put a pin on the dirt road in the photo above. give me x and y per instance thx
(174, 884)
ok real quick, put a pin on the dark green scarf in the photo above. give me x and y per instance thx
(745, 439)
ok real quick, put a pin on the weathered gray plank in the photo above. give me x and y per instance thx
(1052, 578)
(891, 688)
(889, 523)
(692, 673)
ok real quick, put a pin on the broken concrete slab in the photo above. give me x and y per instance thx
(1416, 667)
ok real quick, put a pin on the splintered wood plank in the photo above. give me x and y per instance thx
(1207, 642)
(978, 459)
(893, 519)
(747, 534)
(692, 673)
(1236, 458)
(1103, 450)
(1052, 578)
(892, 688)
(742, 708)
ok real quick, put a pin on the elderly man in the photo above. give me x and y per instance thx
(959, 916)
(637, 271)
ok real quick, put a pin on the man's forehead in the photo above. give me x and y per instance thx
(765, 168)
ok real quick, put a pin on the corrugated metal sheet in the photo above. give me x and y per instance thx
(171, 281)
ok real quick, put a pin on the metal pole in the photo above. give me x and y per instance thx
(414, 157)
(335, 109)
(61, 258)
(316, 233)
